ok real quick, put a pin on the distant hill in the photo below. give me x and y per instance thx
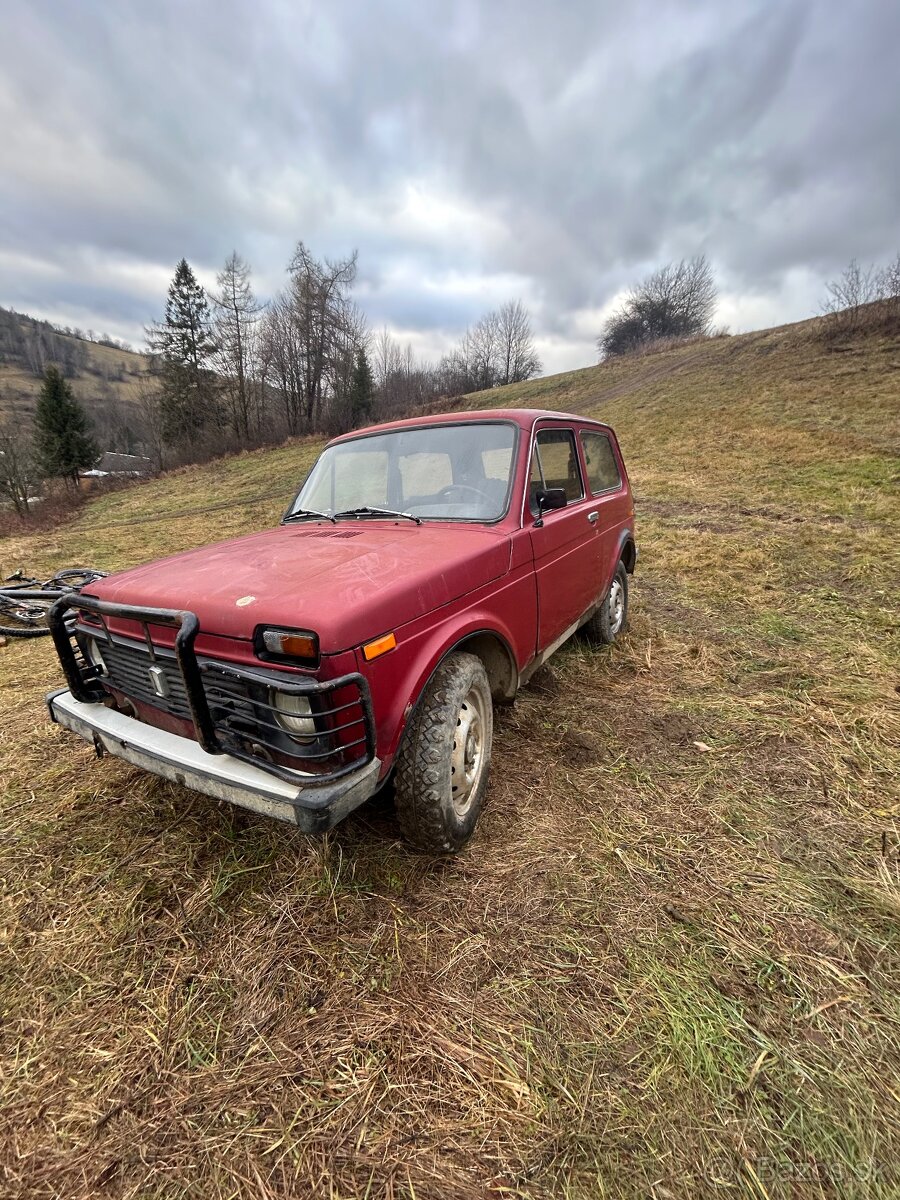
(104, 375)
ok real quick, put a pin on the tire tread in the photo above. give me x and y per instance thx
(424, 751)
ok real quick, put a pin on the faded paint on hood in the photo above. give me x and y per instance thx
(347, 582)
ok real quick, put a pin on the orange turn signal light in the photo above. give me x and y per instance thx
(379, 646)
(299, 644)
(288, 643)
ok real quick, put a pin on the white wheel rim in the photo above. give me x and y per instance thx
(616, 602)
(468, 754)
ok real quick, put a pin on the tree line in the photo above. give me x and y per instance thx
(229, 371)
(232, 371)
(32, 345)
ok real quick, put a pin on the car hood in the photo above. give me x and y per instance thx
(347, 582)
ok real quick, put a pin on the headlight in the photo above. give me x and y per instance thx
(294, 715)
(94, 657)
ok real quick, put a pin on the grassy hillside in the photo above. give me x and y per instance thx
(102, 376)
(669, 963)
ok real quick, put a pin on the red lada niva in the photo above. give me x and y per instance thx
(424, 571)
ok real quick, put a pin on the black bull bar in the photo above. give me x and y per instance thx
(211, 736)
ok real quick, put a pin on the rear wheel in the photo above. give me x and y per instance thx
(444, 760)
(611, 617)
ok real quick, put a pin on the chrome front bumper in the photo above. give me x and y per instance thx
(312, 807)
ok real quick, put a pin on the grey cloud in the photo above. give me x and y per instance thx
(575, 146)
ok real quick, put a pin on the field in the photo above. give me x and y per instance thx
(667, 966)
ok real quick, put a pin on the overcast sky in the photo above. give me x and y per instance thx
(472, 153)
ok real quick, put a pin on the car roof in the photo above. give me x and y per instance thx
(525, 418)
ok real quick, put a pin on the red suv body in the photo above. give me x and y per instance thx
(291, 670)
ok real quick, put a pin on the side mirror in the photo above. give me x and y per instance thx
(550, 498)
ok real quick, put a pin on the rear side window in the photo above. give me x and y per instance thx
(602, 468)
(555, 465)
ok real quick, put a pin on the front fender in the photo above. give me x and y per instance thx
(398, 678)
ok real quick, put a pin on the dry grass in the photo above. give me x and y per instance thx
(668, 964)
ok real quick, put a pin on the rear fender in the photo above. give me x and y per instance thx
(627, 551)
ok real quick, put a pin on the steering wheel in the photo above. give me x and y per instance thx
(463, 487)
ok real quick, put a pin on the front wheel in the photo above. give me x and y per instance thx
(611, 617)
(444, 759)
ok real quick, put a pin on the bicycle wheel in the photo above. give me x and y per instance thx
(24, 617)
(75, 578)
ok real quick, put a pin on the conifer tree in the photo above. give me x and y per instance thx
(62, 439)
(362, 390)
(185, 344)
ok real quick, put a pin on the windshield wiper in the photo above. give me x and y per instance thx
(365, 510)
(299, 513)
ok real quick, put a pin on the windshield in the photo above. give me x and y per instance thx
(435, 472)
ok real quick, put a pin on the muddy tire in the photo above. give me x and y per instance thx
(611, 618)
(444, 759)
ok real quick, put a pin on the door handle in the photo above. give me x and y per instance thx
(593, 517)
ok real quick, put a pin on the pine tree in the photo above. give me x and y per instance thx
(362, 391)
(185, 343)
(62, 440)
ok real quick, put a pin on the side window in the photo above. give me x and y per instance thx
(559, 462)
(602, 469)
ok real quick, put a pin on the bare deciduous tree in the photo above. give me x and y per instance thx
(18, 470)
(387, 358)
(676, 301)
(152, 422)
(236, 315)
(282, 351)
(847, 295)
(319, 296)
(402, 384)
(863, 298)
(349, 336)
(309, 339)
(497, 349)
(888, 283)
(516, 355)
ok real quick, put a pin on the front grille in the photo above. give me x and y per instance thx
(131, 670)
(128, 670)
(230, 706)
